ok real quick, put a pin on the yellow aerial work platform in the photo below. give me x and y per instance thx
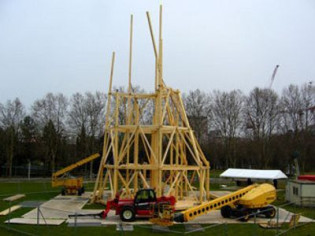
(241, 204)
(72, 185)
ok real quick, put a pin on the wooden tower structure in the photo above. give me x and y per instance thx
(149, 143)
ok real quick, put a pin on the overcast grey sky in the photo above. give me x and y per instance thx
(66, 45)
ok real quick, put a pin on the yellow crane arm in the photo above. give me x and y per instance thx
(215, 204)
(75, 165)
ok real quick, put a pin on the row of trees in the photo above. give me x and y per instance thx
(55, 129)
(261, 130)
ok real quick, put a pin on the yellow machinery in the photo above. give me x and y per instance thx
(71, 186)
(239, 204)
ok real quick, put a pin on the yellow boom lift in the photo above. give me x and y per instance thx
(71, 185)
(239, 204)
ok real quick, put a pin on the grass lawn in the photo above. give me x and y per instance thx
(41, 191)
(215, 173)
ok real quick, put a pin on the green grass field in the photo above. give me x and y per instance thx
(41, 191)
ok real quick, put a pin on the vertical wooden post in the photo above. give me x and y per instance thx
(160, 64)
(136, 147)
(130, 53)
(208, 183)
(98, 184)
(129, 108)
(154, 49)
(116, 143)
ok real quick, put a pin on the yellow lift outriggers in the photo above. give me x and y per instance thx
(253, 199)
(71, 185)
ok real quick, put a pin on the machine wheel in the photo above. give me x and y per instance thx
(270, 212)
(80, 191)
(226, 212)
(63, 191)
(127, 214)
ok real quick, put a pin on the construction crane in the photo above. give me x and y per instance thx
(71, 185)
(273, 76)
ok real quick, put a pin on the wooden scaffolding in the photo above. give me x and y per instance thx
(148, 142)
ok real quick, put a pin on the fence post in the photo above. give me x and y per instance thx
(29, 170)
(9, 212)
(75, 222)
(255, 233)
(277, 220)
(38, 215)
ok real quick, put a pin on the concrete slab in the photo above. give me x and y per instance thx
(217, 194)
(160, 229)
(194, 228)
(14, 197)
(184, 204)
(31, 204)
(60, 207)
(9, 210)
(34, 221)
(213, 217)
(84, 223)
(124, 227)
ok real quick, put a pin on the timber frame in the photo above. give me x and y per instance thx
(148, 142)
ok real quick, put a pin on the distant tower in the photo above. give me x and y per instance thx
(160, 153)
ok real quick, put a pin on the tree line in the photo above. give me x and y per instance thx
(259, 130)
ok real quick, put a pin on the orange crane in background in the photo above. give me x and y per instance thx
(273, 76)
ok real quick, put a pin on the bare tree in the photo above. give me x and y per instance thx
(226, 117)
(261, 112)
(308, 103)
(86, 119)
(50, 114)
(95, 104)
(53, 107)
(297, 121)
(198, 107)
(291, 109)
(77, 115)
(87, 111)
(11, 116)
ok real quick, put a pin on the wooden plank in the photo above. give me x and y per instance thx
(7, 211)
(14, 197)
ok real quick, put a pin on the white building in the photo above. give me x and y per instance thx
(301, 191)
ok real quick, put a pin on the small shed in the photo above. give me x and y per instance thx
(301, 191)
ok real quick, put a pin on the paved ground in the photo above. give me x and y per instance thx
(54, 211)
(213, 217)
(60, 207)
(25, 221)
